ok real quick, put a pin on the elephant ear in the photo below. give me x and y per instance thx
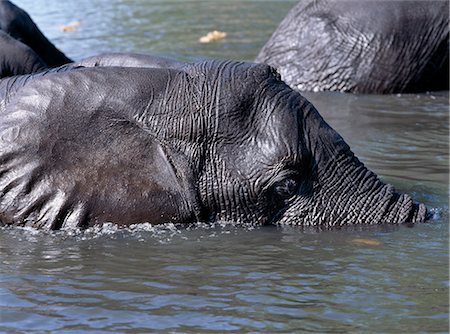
(63, 164)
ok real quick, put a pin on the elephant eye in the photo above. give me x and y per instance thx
(286, 188)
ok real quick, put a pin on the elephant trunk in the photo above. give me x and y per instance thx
(355, 195)
(340, 190)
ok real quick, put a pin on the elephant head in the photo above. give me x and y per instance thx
(264, 154)
(217, 140)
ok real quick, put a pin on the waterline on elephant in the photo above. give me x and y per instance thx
(214, 141)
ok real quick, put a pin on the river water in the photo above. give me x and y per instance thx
(223, 278)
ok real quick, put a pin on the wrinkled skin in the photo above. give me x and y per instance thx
(215, 141)
(16, 23)
(362, 46)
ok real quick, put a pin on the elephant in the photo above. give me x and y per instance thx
(377, 47)
(16, 23)
(26, 50)
(214, 141)
(16, 58)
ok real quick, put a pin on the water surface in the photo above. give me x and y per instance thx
(223, 278)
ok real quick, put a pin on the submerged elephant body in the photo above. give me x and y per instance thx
(362, 46)
(214, 141)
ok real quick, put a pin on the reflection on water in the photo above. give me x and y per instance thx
(225, 278)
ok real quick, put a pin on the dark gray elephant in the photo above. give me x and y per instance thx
(218, 140)
(362, 46)
(16, 58)
(16, 23)
(25, 50)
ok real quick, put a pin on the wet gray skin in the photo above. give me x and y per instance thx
(218, 140)
(379, 47)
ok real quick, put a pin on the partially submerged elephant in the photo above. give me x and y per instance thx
(19, 25)
(362, 46)
(25, 50)
(216, 140)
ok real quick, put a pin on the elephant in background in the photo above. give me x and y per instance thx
(215, 140)
(17, 58)
(379, 47)
(130, 60)
(15, 22)
(25, 50)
